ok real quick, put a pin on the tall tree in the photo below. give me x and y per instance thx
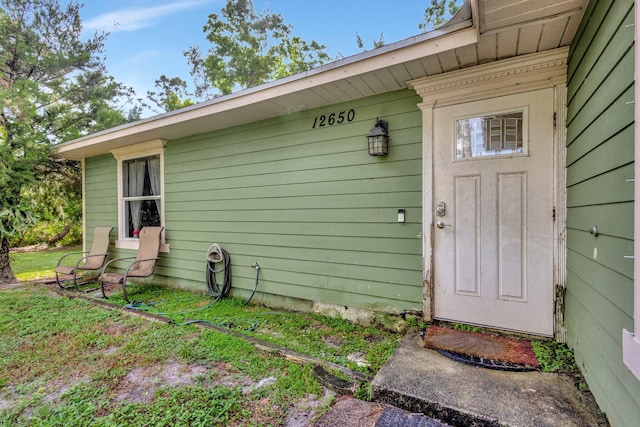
(173, 94)
(438, 13)
(247, 48)
(53, 87)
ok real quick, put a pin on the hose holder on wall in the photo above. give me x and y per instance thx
(214, 254)
(217, 255)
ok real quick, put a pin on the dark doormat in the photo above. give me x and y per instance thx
(488, 351)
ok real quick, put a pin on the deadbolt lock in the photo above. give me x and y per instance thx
(441, 209)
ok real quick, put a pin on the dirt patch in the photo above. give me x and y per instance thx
(4, 404)
(140, 384)
(111, 350)
(114, 329)
(52, 390)
(374, 339)
(7, 398)
(332, 341)
(304, 412)
(225, 375)
(12, 285)
(56, 388)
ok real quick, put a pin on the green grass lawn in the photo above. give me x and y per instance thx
(38, 265)
(68, 362)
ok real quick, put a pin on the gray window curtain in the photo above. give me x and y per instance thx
(153, 165)
(136, 188)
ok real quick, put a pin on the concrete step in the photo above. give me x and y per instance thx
(423, 381)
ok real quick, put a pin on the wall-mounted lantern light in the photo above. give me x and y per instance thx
(378, 139)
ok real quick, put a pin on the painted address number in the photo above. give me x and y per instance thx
(334, 119)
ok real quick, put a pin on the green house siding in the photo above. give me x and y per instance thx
(600, 151)
(309, 204)
(101, 197)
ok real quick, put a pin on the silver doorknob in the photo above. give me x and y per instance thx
(441, 224)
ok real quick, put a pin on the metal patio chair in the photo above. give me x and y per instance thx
(91, 261)
(142, 265)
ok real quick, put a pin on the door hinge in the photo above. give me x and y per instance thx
(554, 214)
(555, 118)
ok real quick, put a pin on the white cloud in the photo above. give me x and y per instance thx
(136, 18)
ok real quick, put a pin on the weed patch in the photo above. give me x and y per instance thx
(557, 357)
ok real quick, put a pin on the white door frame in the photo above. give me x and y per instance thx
(506, 77)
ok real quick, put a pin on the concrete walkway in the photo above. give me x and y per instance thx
(423, 381)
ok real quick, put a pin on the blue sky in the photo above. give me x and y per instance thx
(147, 37)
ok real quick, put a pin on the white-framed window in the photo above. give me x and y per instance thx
(141, 195)
(140, 191)
(631, 340)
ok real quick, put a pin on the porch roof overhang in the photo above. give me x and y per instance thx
(483, 31)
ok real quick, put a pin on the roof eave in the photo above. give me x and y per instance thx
(422, 45)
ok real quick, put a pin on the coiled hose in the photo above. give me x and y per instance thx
(213, 287)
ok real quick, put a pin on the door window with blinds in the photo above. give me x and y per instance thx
(491, 135)
(141, 194)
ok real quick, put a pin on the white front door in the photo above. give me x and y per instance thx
(493, 212)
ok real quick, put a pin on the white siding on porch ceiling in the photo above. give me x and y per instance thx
(496, 14)
(509, 28)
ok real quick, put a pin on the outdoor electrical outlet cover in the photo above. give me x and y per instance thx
(400, 215)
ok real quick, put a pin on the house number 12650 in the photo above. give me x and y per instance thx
(334, 119)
